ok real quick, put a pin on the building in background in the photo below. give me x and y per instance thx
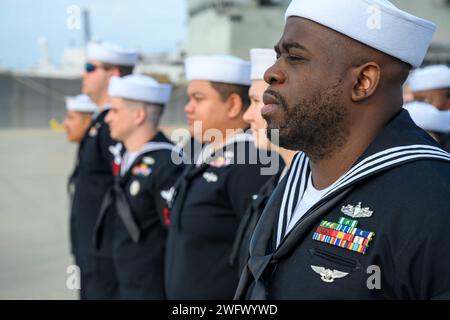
(34, 97)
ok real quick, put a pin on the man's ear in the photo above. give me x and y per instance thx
(140, 116)
(367, 79)
(235, 106)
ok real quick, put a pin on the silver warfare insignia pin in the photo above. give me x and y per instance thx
(210, 177)
(328, 275)
(356, 211)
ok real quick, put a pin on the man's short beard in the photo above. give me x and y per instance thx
(317, 126)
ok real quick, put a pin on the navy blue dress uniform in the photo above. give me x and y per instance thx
(208, 202)
(241, 244)
(79, 103)
(388, 217)
(98, 162)
(261, 60)
(446, 142)
(380, 230)
(140, 219)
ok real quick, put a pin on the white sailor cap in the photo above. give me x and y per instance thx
(428, 117)
(375, 23)
(429, 78)
(261, 60)
(112, 53)
(80, 103)
(219, 68)
(139, 87)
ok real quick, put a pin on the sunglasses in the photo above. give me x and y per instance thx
(89, 67)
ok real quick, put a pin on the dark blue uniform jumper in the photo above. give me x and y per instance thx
(402, 183)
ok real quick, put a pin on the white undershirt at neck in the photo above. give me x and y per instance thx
(310, 198)
(127, 161)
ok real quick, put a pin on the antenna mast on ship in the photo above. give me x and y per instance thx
(86, 26)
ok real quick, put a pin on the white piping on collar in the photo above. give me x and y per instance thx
(240, 137)
(208, 150)
(381, 159)
(299, 161)
(303, 184)
(147, 147)
(359, 170)
(294, 164)
(385, 152)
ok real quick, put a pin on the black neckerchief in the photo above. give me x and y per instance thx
(117, 195)
(71, 182)
(256, 206)
(181, 187)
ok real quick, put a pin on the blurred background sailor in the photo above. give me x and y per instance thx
(436, 122)
(79, 114)
(261, 60)
(99, 158)
(78, 118)
(213, 194)
(139, 223)
(431, 85)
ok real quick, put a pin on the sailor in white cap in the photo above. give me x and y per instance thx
(363, 211)
(78, 117)
(134, 211)
(432, 85)
(98, 163)
(261, 60)
(105, 60)
(430, 119)
(213, 194)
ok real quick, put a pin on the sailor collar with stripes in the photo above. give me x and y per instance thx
(97, 113)
(399, 143)
(208, 152)
(391, 148)
(130, 158)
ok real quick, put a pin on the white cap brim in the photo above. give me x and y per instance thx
(81, 103)
(112, 54)
(430, 78)
(139, 88)
(261, 60)
(375, 23)
(225, 69)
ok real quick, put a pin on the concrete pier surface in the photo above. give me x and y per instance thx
(34, 238)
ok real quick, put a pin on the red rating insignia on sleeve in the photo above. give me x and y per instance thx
(115, 169)
(166, 216)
